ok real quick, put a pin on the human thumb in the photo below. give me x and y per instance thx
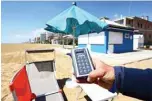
(95, 74)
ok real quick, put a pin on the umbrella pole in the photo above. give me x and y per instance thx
(88, 38)
(89, 42)
(62, 41)
(73, 42)
(73, 37)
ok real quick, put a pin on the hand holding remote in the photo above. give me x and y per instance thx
(103, 74)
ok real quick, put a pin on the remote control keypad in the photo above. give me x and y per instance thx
(83, 63)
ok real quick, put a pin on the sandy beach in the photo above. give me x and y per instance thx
(13, 58)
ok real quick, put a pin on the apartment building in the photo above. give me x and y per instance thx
(142, 24)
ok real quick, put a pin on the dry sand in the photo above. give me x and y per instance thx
(13, 58)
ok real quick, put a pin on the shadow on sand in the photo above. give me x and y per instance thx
(61, 83)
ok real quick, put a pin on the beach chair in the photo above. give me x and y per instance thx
(40, 78)
(20, 87)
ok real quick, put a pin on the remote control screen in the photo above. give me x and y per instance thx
(82, 62)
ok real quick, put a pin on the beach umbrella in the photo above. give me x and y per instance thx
(75, 21)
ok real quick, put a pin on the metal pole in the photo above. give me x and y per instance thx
(49, 93)
(73, 42)
(62, 40)
(88, 38)
(67, 42)
(88, 44)
(73, 37)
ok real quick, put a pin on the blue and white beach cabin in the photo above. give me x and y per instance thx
(116, 38)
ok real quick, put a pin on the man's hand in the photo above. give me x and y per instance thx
(103, 74)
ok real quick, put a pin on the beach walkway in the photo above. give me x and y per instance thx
(124, 58)
(117, 59)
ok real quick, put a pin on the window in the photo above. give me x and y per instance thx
(138, 24)
(141, 25)
(93, 38)
(129, 22)
(115, 37)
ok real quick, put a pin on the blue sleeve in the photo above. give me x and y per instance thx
(135, 83)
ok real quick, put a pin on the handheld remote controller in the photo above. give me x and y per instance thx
(82, 62)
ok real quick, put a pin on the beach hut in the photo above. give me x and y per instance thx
(115, 38)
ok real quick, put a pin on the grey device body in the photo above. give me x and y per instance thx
(82, 62)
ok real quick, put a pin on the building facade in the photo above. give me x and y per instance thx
(42, 38)
(115, 38)
(143, 25)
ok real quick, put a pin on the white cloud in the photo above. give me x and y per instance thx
(37, 32)
(32, 34)
(19, 37)
(16, 38)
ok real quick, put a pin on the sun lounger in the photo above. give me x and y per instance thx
(42, 81)
(36, 81)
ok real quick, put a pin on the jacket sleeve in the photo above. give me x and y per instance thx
(135, 83)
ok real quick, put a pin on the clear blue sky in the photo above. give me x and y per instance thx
(21, 19)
